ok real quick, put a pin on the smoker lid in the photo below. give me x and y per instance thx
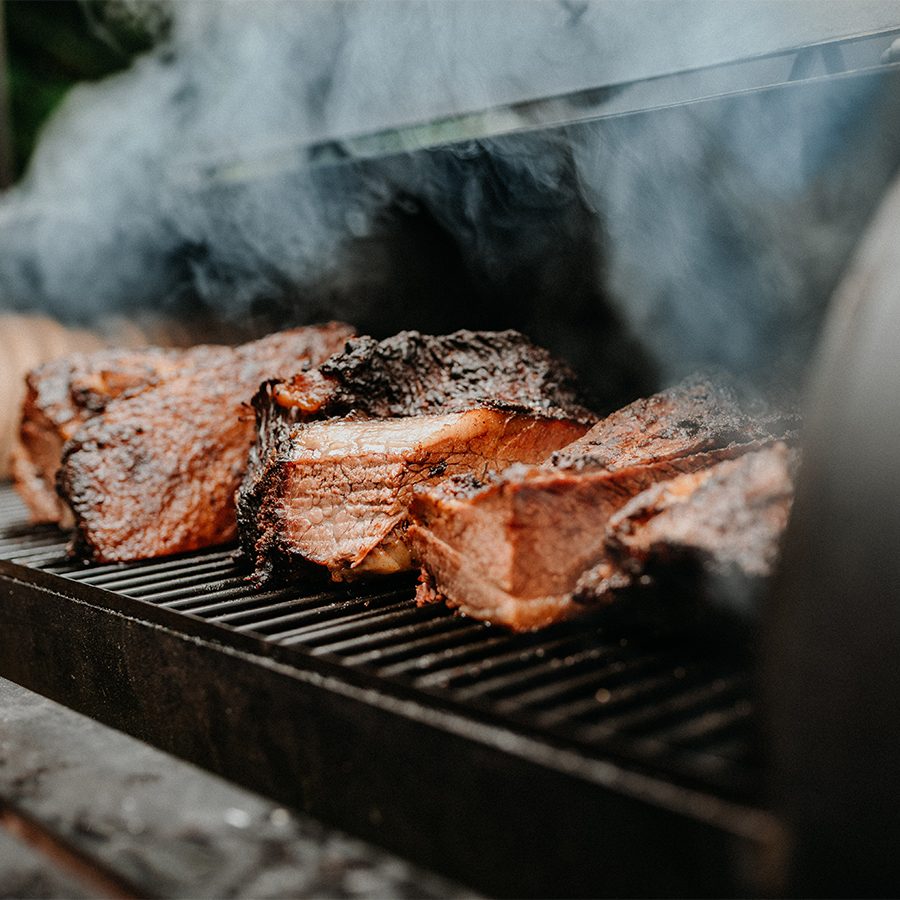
(620, 91)
(515, 51)
(831, 628)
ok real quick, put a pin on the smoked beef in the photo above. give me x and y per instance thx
(511, 548)
(61, 396)
(715, 531)
(341, 447)
(155, 472)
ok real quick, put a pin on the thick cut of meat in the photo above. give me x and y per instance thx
(718, 529)
(341, 447)
(510, 549)
(62, 395)
(342, 492)
(698, 414)
(155, 473)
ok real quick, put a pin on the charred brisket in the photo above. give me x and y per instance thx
(511, 548)
(62, 395)
(711, 536)
(341, 447)
(155, 472)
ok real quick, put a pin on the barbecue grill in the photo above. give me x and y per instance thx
(524, 764)
(587, 758)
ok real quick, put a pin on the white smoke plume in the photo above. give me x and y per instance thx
(709, 233)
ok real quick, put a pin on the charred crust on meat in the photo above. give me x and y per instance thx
(415, 374)
(407, 375)
(710, 410)
(155, 473)
(698, 549)
(494, 544)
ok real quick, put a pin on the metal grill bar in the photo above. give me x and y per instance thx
(242, 607)
(664, 704)
(412, 649)
(187, 588)
(466, 663)
(657, 717)
(604, 703)
(221, 594)
(419, 622)
(323, 635)
(253, 611)
(699, 730)
(96, 573)
(515, 659)
(552, 691)
(127, 581)
(47, 554)
(20, 543)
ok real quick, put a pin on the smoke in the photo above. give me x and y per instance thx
(110, 216)
(638, 247)
(729, 222)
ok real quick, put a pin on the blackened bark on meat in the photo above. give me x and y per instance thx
(264, 478)
(62, 395)
(413, 374)
(407, 375)
(700, 413)
(699, 549)
(510, 548)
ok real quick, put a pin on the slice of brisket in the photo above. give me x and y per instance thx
(510, 549)
(341, 447)
(155, 472)
(61, 396)
(713, 534)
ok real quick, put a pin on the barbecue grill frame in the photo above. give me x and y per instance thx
(494, 806)
(498, 809)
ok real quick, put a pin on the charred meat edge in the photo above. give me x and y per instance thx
(155, 473)
(689, 426)
(407, 375)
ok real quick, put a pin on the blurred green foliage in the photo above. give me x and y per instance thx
(53, 44)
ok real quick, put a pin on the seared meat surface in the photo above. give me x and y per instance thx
(62, 395)
(156, 471)
(413, 374)
(698, 414)
(716, 531)
(341, 447)
(511, 548)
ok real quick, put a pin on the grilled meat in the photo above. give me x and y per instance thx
(62, 395)
(341, 447)
(340, 498)
(413, 374)
(155, 472)
(716, 531)
(511, 548)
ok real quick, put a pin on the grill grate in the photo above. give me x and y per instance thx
(657, 704)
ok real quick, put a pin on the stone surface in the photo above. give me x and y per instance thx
(27, 873)
(167, 828)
